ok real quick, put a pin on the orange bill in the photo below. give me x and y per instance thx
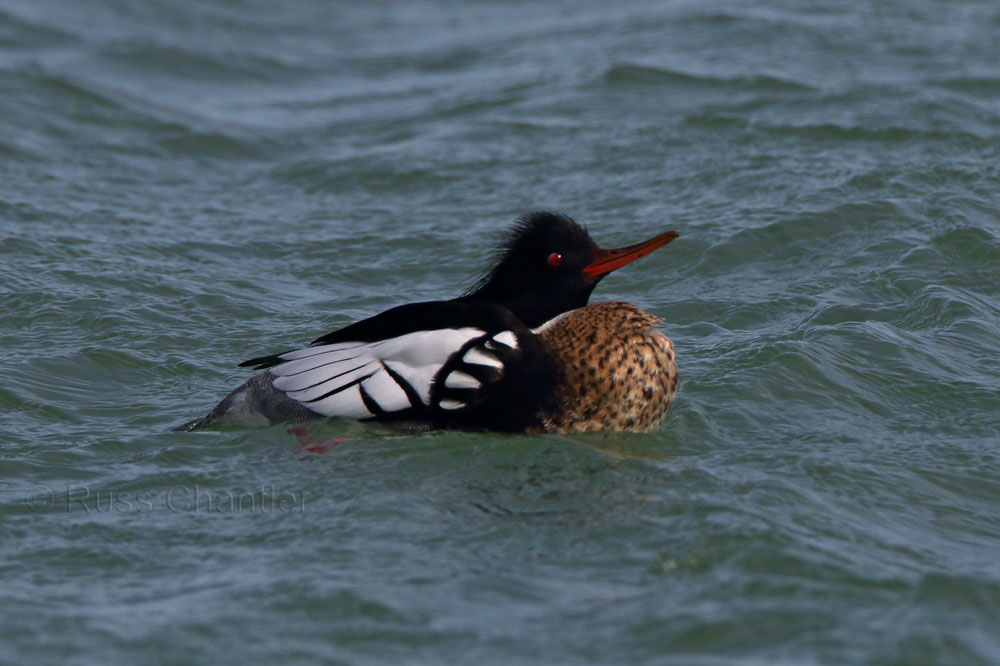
(606, 261)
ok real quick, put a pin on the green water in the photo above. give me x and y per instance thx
(185, 185)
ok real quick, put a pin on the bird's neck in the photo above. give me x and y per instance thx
(531, 310)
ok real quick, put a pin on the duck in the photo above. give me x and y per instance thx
(521, 351)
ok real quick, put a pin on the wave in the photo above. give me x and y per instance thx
(23, 34)
(178, 62)
(652, 75)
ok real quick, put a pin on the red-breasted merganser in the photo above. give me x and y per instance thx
(520, 352)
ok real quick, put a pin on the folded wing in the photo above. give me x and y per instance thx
(420, 373)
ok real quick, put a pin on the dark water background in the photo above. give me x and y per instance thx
(184, 185)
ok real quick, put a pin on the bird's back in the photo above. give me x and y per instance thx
(617, 371)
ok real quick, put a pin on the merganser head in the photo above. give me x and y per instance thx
(549, 264)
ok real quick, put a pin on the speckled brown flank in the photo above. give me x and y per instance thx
(617, 371)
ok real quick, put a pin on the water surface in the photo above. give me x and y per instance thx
(184, 185)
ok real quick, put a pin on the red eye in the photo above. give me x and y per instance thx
(555, 259)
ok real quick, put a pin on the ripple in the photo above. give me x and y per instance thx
(802, 238)
(72, 92)
(835, 132)
(174, 61)
(317, 176)
(21, 34)
(980, 86)
(216, 145)
(650, 75)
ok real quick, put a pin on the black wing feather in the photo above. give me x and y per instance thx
(403, 319)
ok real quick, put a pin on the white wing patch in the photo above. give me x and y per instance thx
(312, 351)
(506, 338)
(476, 357)
(391, 396)
(345, 403)
(459, 379)
(361, 380)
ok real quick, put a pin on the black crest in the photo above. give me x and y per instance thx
(528, 279)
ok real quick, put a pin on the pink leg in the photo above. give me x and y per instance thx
(311, 443)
